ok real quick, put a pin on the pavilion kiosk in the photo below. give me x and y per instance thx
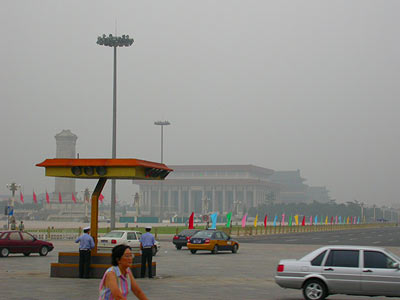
(101, 169)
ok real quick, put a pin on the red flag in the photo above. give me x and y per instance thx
(265, 221)
(59, 197)
(303, 223)
(331, 220)
(34, 197)
(47, 198)
(73, 198)
(101, 197)
(191, 219)
(21, 196)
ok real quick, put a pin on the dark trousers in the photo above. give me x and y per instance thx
(84, 263)
(147, 256)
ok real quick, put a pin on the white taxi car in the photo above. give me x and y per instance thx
(127, 237)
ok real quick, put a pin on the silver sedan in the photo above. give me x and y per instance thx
(351, 270)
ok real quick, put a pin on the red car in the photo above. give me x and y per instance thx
(22, 242)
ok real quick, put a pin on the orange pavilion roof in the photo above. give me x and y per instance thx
(105, 162)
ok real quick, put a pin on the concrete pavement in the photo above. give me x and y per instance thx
(245, 275)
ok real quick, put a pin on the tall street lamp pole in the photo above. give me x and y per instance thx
(114, 41)
(374, 213)
(162, 124)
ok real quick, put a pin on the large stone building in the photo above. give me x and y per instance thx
(207, 188)
(293, 190)
(318, 194)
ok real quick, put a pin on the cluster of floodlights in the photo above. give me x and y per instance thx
(89, 171)
(114, 41)
(153, 172)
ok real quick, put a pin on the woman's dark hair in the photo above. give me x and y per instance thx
(117, 253)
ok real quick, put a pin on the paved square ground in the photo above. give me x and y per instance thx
(180, 274)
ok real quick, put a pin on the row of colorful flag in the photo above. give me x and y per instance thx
(291, 221)
(312, 221)
(21, 197)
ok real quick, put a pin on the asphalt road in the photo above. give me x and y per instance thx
(379, 237)
(247, 275)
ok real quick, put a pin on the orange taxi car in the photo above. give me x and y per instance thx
(212, 240)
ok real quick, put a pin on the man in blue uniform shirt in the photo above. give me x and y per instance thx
(86, 244)
(147, 242)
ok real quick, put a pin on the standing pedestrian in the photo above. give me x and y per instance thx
(147, 242)
(13, 223)
(86, 244)
(21, 226)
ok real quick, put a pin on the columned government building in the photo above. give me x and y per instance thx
(207, 188)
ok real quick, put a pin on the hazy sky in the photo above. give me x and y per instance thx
(309, 85)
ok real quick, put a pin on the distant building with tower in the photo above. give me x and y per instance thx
(207, 188)
(65, 148)
(65, 187)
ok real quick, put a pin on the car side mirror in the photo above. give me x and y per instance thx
(396, 266)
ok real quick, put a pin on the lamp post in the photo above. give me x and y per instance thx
(86, 199)
(136, 200)
(114, 41)
(236, 204)
(362, 211)
(374, 213)
(13, 187)
(206, 202)
(162, 124)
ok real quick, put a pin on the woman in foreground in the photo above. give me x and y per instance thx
(118, 279)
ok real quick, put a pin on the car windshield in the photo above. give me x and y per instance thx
(114, 234)
(393, 255)
(203, 234)
(187, 232)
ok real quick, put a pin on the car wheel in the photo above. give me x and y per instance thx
(235, 248)
(315, 289)
(4, 252)
(215, 250)
(27, 253)
(43, 251)
(154, 251)
(178, 247)
(193, 251)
